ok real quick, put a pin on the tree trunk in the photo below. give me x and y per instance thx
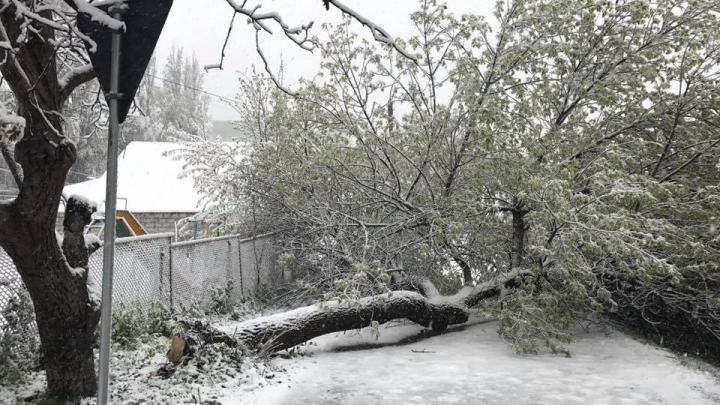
(282, 331)
(65, 311)
(518, 235)
(464, 266)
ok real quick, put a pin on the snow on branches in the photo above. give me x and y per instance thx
(299, 34)
(11, 125)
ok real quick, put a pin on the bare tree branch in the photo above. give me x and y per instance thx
(379, 33)
(274, 78)
(222, 52)
(299, 35)
(15, 168)
(75, 78)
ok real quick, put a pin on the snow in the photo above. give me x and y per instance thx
(99, 16)
(408, 364)
(134, 380)
(430, 290)
(81, 199)
(63, 82)
(302, 312)
(91, 240)
(147, 179)
(11, 124)
(77, 271)
(471, 364)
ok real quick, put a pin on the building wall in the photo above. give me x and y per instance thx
(153, 222)
(160, 222)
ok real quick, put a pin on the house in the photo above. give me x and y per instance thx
(150, 187)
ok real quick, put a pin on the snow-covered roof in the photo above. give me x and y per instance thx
(147, 179)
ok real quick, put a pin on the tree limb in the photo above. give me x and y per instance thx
(379, 33)
(15, 168)
(75, 78)
(284, 330)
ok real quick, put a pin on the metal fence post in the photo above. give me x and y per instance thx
(170, 276)
(240, 268)
(160, 273)
(228, 264)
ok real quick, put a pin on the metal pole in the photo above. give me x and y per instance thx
(110, 221)
(242, 287)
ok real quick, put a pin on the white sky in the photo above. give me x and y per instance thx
(201, 29)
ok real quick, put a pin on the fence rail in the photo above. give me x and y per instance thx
(151, 269)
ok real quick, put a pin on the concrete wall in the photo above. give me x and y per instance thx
(153, 222)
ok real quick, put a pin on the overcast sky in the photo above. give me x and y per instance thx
(200, 26)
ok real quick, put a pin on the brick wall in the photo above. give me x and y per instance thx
(160, 222)
(153, 222)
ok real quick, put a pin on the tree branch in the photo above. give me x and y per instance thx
(379, 33)
(15, 168)
(75, 78)
(222, 51)
(299, 35)
(690, 161)
(287, 329)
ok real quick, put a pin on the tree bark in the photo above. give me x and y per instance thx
(285, 330)
(66, 312)
(78, 214)
(518, 236)
(288, 329)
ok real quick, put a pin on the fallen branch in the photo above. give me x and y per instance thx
(284, 330)
(468, 296)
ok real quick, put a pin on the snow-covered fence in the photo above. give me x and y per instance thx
(151, 269)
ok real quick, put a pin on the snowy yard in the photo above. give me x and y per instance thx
(408, 364)
(470, 364)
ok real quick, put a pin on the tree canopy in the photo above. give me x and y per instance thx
(575, 146)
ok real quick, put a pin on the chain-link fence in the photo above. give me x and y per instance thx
(11, 285)
(142, 270)
(151, 269)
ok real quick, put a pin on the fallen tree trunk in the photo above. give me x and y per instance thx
(419, 302)
(284, 330)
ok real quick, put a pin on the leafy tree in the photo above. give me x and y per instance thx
(575, 148)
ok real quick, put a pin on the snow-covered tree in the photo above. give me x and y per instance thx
(574, 148)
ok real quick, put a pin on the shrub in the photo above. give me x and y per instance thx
(132, 326)
(19, 343)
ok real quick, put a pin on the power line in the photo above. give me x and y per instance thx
(191, 88)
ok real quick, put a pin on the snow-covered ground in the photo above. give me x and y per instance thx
(408, 364)
(473, 365)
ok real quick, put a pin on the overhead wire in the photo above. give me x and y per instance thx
(223, 98)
